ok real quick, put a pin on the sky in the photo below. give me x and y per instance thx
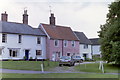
(81, 15)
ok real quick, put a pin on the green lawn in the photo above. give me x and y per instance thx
(58, 75)
(27, 65)
(109, 68)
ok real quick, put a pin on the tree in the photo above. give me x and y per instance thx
(110, 35)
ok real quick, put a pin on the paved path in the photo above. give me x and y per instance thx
(38, 72)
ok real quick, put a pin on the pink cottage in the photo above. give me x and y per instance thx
(61, 40)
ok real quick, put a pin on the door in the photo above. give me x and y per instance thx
(27, 54)
(53, 56)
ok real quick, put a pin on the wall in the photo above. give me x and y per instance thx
(28, 42)
(51, 48)
(85, 51)
(96, 49)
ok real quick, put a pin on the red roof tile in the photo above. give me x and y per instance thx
(59, 32)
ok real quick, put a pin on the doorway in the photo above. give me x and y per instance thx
(27, 54)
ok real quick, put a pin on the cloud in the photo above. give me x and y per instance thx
(80, 15)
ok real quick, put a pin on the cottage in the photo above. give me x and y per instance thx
(61, 41)
(84, 45)
(95, 46)
(21, 40)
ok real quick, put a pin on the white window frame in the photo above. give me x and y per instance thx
(38, 40)
(65, 42)
(55, 43)
(73, 42)
(16, 54)
(85, 46)
(19, 38)
(5, 38)
(40, 53)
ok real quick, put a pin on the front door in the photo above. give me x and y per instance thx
(27, 54)
(53, 56)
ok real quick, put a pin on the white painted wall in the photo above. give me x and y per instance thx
(96, 49)
(85, 51)
(28, 42)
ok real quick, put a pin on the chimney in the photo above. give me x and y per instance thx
(52, 19)
(25, 17)
(4, 16)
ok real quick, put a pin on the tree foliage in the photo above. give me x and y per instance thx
(110, 34)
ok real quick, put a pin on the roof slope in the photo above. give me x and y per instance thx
(83, 39)
(59, 32)
(19, 28)
(95, 41)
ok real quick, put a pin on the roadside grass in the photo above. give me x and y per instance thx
(28, 65)
(58, 75)
(94, 67)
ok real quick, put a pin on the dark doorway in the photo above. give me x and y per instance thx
(85, 56)
(27, 54)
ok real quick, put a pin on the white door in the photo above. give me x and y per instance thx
(53, 56)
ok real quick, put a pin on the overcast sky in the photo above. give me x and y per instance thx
(81, 15)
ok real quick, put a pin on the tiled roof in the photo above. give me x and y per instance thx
(19, 28)
(95, 41)
(83, 39)
(59, 32)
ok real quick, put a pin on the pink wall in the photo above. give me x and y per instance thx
(69, 49)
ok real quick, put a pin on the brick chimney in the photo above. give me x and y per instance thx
(25, 17)
(4, 16)
(52, 19)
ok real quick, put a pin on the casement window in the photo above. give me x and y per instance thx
(85, 46)
(13, 53)
(38, 40)
(68, 54)
(73, 43)
(56, 42)
(4, 38)
(19, 38)
(38, 52)
(65, 43)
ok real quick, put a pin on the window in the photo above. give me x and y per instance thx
(4, 38)
(38, 40)
(85, 46)
(65, 43)
(68, 54)
(56, 42)
(38, 52)
(13, 53)
(19, 38)
(73, 43)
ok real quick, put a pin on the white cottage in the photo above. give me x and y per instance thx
(19, 40)
(95, 46)
(84, 45)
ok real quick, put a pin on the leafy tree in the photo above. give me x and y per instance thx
(110, 34)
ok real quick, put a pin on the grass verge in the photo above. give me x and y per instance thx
(108, 68)
(28, 65)
(58, 75)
